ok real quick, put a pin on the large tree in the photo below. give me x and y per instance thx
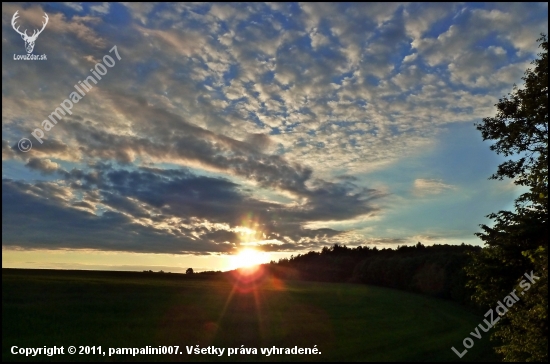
(517, 243)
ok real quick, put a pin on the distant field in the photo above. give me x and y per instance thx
(125, 309)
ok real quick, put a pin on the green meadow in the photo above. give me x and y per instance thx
(349, 322)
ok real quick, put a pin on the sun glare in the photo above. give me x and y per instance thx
(249, 257)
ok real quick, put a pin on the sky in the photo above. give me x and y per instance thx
(165, 136)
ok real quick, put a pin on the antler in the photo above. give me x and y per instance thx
(34, 34)
(13, 19)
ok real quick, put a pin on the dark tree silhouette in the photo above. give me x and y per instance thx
(435, 270)
(518, 241)
(189, 271)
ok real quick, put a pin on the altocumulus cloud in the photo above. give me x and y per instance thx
(231, 119)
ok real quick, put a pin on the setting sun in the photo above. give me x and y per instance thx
(248, 258)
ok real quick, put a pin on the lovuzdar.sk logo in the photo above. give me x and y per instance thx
(29, 39)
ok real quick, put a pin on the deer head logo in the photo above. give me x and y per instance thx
(29, 40)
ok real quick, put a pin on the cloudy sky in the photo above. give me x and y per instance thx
(281, 127)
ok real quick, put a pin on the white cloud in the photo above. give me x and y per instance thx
(378, 82)
(424, 187)
(101, 9)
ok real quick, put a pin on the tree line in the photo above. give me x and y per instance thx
(437, 270)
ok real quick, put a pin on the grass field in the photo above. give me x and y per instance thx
(132, 309)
